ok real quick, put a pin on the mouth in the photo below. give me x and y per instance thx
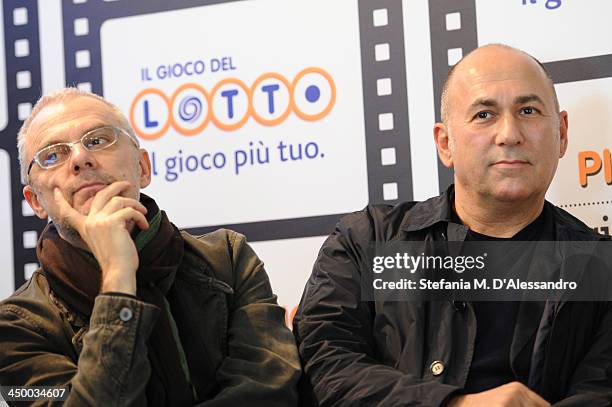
(510, 163)
(89, 190)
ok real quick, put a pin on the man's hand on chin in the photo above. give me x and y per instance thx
(514, 394)
(106, 231)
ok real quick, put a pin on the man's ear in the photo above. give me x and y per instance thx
(442, 139)
(145, 168)
(563, 126)
(30, 195)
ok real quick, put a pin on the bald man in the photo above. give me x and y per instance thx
(503, 134)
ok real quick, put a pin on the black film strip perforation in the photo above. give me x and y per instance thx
(22, 56)
(453, 34)
(385, 101)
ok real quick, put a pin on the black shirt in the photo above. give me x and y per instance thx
(495, 320)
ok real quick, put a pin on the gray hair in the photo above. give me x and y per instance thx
(444, 102)
(59, 96)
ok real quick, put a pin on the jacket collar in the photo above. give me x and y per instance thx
(427, 213)
(423, 215)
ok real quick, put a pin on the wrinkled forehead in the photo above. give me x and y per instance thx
(502, 73)
(68, 120)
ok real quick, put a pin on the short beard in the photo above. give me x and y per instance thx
(86, 176)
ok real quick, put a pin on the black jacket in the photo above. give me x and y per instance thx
(381, 353)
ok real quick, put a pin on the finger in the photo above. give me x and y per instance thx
(130, 214)
(104, 195)
(66, 212)
(119, 202)
(534, 399)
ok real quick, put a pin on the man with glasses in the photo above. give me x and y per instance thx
(126, 309)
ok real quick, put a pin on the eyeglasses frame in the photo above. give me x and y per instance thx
(80, 140)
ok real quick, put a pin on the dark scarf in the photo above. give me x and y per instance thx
(74, 275)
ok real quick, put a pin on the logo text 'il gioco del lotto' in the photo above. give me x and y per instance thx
(271, 98)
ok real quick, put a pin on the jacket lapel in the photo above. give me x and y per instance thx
(527, 323)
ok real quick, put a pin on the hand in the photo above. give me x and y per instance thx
(106, 231)
(514, 394)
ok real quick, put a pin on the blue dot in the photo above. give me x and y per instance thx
(313, 93)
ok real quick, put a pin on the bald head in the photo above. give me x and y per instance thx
(491, 57)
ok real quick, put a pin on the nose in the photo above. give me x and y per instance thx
(81, 159)
(509, 132)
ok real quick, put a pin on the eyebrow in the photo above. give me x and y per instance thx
(519, 100)
(57, 140)
(483, 102)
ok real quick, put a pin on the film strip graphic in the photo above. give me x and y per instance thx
(23, 84)
(385, 97)
(454, 34)
(449, 42)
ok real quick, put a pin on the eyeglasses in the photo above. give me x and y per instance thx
(94, 140)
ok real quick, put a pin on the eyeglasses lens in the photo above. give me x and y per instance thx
(53, 155)
(95, 140)
(99, 139)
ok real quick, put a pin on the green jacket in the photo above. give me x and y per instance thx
(247, 354)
